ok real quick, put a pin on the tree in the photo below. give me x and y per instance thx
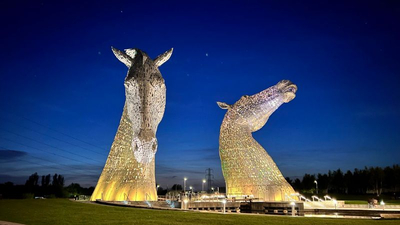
(58, 180)
(323, 182)
(297, 184)
(176, 187)
(376, 179)
(308, 182)
(46, 180)
(348, 181)
(337, 181)
(32, 180)
(290, 181)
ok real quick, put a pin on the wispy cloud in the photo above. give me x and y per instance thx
(6, 155)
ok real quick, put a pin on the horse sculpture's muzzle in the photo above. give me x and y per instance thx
(144, 146)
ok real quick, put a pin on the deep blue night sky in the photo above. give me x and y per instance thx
(62, 92)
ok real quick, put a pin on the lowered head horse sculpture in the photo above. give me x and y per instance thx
(247, 168)
(129, 173)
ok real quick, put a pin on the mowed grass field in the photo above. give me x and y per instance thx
(63, 211)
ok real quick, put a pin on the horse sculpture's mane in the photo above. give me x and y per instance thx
(128, 174)
(247, 168)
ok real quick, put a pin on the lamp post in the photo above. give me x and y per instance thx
(202, 186)
(185, 203)
(184, 185)
(223, 202)
(293, 204)
(212, 189)
(316, 185)
(334, 202)
(383, 205)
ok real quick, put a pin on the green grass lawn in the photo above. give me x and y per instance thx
(63, 211)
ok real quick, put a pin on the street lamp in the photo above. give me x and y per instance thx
(184, 184)
(316, 185)
(334, 202)
(383, 204)
(185, 201)
(293, 204)
(212, 189)
(191, 189)
(224, 202)
(202, 186)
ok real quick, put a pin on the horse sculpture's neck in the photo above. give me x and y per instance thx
(247, 168)
(129, 173)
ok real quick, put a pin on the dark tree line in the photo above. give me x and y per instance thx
(49, 186)
(370, 180)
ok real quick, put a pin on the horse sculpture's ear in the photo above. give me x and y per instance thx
(223, 105)
(161, 59)
(121, 56)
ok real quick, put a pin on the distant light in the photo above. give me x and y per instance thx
(224, 201)
(315, 181)
(204, 180)
(185, 178)
(185, 201)
(292, 203)
(382, 203)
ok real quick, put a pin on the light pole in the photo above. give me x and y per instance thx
(224, 202)
(316, 185)
(383, 205)
(334, 202)
(184, 185)
(293, 204)
(212, 189)
(185, 202)
(202, 186)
